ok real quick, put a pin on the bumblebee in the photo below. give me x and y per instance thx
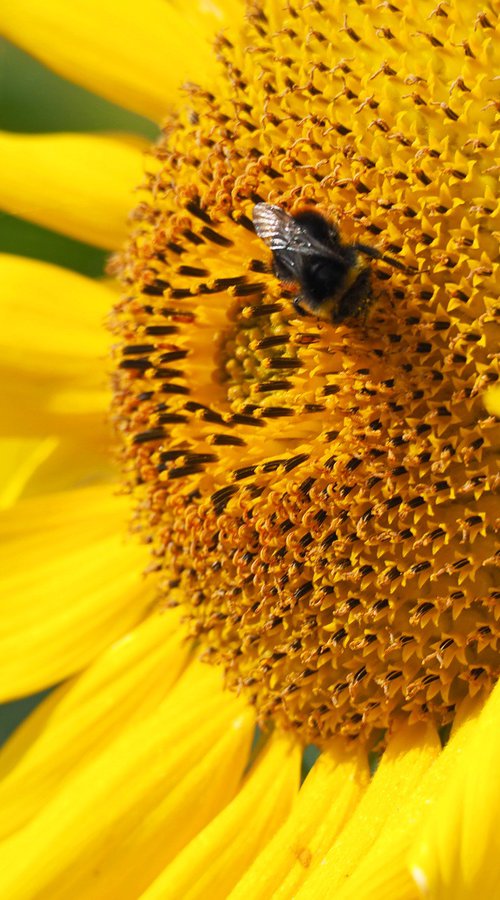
(334, 279)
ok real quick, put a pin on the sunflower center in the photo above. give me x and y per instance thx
(321, 496)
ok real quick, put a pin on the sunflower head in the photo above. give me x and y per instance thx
(320, 496)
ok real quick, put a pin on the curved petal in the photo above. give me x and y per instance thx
(456, 854)
(213, 861)
(326, 800)
(492, 400)
(52, 317)
(53, 350)
(218, 12)
(79, 184)
(19, 459)
(120, 817)
(69, 463)
(74, 724)
(31, 408)
(136, 54)
(69, 585)
(384, 872)
(408, 756)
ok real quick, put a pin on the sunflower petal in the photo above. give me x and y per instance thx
(455, 856)
(19, 459)
(54, 316)
(384, 872)
(124, 684)
(217, 12)
(69, 585)
(79, 184)
(408, 756)
(492, 400)
(211, 864)
(135, 54)
(120, 817)
(69, 464)
(53, 350)
(29, 408)
(328, 797)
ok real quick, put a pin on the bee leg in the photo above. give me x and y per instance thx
(300, 309)
(369, 251)
(376, 254)
(355, 300)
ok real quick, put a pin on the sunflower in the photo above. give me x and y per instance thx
(308, 506)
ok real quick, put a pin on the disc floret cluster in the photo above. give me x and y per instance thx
(321, 497)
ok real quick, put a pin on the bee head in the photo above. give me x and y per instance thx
(317, 226)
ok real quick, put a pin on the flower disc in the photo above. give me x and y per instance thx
(320, 497)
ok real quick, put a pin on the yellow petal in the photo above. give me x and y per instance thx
(72, 725)
(492, 400)
(54, 349)
(79, 184)
(328, 797)
(63, 465)
(456, 856)
(383, 872)
(217, 12)
(19, 459)
(407, 757)
(136, 54)
(54, 317)
(32, 408)
(116, 822)
(69, 585)
(211, 864)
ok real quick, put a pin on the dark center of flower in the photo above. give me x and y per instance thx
(321, 497)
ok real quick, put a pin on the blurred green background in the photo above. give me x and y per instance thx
(33, 99)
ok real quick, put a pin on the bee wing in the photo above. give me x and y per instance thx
(282, 232)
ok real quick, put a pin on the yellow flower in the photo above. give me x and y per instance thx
(317, 499)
